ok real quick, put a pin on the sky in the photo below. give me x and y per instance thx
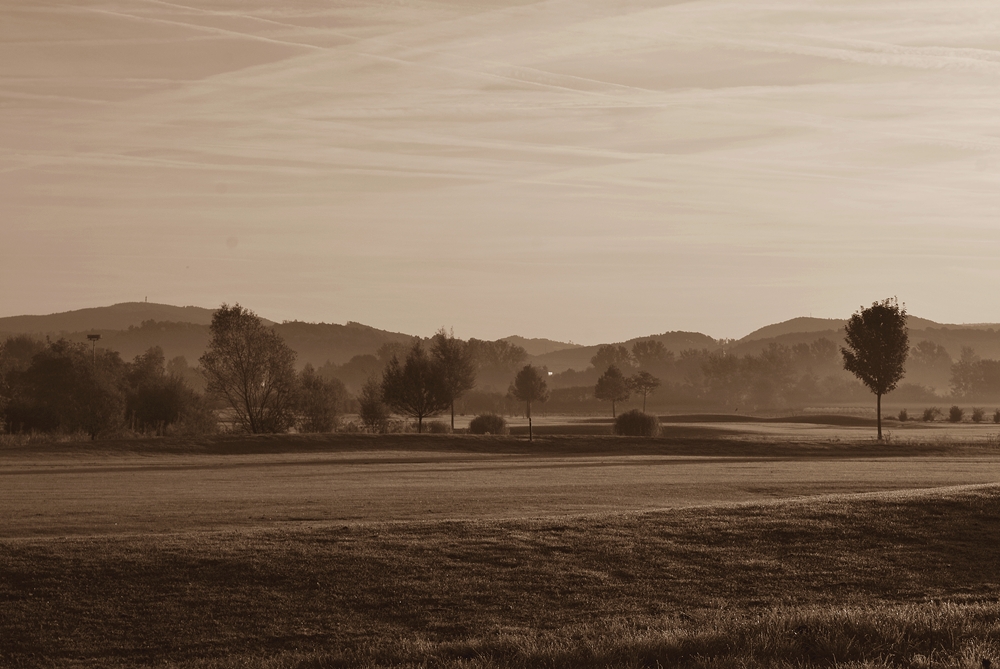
(582, 170)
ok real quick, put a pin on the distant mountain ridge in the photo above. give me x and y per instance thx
(538, 346)
(132, 327)
(116, 317)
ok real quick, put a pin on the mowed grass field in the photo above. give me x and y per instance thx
(583, 551)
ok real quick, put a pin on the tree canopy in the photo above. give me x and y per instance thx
(454, 359)
(612, 387)
(877, 345)
(529, 386)
(645, 383)
(251, 368)
(416, 387)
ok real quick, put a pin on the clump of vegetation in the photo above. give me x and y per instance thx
(978, 414)
(903, 416)
(635, 423)
(488, 423)
(931, 414)
(955, 414)
(438, 427)
(996, 416)
(372, 411)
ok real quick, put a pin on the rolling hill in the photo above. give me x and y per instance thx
(133, 327)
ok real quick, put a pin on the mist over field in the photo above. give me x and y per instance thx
(571, 169)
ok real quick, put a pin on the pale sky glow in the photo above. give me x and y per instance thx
(575, 169)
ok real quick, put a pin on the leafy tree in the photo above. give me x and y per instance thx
(372, 411)
(417, 388)
(966, 374)
(529, 386)
(318, 401)
(154, 399)
(877, 345)
(67, 389)
(612, 356)
(612, 387)
(495, 361)
(251, 368)
(650, 353)
(645, 383)
(456, 364)
(16, 354)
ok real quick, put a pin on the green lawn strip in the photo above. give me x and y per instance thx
(842, 578)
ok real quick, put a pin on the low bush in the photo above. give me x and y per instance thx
(438, 427)
(930, 415)
(996, 416)
(978, 414)
(955, 414)
(635, 423)
(903, 416)
(488, 423)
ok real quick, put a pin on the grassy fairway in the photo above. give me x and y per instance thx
(892, 578)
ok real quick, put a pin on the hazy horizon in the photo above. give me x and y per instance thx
(570, 169)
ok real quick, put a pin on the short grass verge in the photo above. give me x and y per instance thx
(900, 579)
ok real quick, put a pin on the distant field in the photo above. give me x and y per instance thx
(175, 486)
(453, 551)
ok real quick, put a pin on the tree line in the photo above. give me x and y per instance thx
(250, 380)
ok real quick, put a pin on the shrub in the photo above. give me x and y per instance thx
(903, 416)
(996, 416)
(488, 423)
(438, 427)
(635, 423)
(955, 414)
(930, 415)
(978, 414)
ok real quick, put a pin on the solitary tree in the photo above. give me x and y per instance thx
(457, 366)
(645, 383)
(415, 388)
(612, 387)
(529, 386)
(877, 344)
(250, 366)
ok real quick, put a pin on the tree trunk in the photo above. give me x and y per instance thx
(644, 402)
(453, 415)
(529, 422)
(420, 424)
(613, 416)
(878, 417)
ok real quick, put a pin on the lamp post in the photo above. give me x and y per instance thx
(94, 338)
